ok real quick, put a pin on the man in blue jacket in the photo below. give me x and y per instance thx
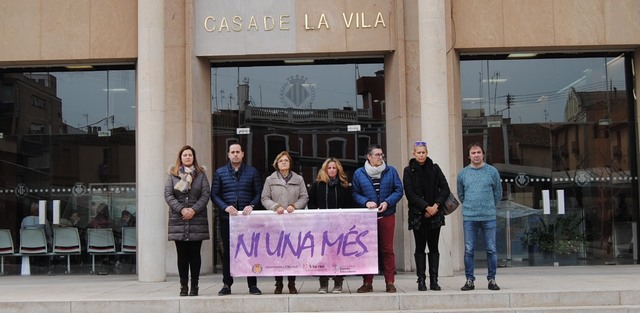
(236, 188)
(378, 186)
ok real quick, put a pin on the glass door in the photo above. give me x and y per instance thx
(313, 111)
(560, 131)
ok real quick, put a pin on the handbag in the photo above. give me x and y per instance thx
(451, 204)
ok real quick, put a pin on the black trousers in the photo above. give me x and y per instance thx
(227, 279)
(189, 258)
(426, 236)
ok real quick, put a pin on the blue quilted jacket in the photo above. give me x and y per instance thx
(390, 189)
(238, 189)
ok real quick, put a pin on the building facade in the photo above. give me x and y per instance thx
(97, 98)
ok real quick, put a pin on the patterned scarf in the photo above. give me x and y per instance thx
(286, 178)
(186, 177)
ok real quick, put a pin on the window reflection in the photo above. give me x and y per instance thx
(543, 90)
(303, 109)
(66, 138)
(564, 125)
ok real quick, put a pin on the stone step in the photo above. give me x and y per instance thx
(568, 289)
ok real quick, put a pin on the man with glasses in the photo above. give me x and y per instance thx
(479, 190)
(378, 186)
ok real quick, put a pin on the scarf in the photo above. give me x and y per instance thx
(332, 182)
(375, 172)
(286, 178)
(186, 177)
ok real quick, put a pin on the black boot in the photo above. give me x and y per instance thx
(194, 288)
(421, 266)
(434, 263)
(184, 288)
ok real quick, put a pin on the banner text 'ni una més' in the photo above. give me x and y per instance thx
(303, 243)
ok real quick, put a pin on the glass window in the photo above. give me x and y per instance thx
(68, 146)
(302, 109)
(562, 126)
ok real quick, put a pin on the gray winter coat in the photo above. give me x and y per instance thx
(197, 197)
(276, 192)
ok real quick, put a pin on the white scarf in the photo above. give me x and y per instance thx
(374, 172)
(186, 177)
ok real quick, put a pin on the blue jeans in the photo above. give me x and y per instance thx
(488, 229)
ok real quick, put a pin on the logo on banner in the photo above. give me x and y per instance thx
(257, 268)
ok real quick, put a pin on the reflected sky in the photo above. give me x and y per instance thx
(98, 98)
(325, 86)
(539, 87)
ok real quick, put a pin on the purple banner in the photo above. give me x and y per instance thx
(304, 243)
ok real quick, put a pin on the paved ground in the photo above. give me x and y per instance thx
(126, 287)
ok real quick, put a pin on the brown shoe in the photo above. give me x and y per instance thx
(292, 288)
(366, 287)
(337, 287)
(279, 286)
(391, 288)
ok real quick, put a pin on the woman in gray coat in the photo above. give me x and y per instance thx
(187, 193)
(283, 191)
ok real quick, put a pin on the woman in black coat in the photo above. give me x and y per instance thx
(187, 193)
(426, 190)
(331, 190)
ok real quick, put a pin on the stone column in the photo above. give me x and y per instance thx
(150, 137)
(434, 102)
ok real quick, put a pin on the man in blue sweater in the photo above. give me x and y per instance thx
(236, 188)
(479, 190)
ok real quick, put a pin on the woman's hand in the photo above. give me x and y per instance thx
(431, 210)
(187, 213)
(291, 208)
(280, 210)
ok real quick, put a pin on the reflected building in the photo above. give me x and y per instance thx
(309, 135)
(585, 156)
(43, 158)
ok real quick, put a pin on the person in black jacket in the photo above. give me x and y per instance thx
(426, 189)
(187, 194)
(331, 190)
(236, 189)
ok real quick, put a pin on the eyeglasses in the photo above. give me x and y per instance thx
(283, 161)
(421, 143)
(378, 155)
